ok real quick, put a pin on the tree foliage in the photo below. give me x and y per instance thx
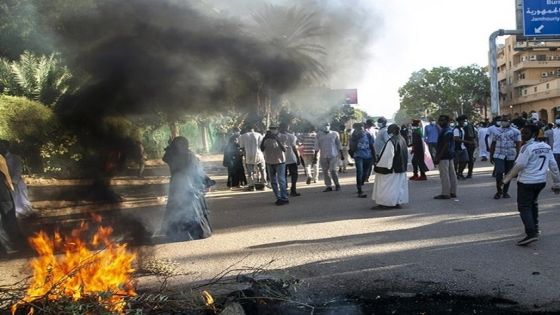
(39, 78)
(443, 90)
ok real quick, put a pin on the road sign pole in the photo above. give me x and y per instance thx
(492, 61)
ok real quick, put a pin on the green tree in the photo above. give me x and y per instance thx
(39, 78)
(443, 90)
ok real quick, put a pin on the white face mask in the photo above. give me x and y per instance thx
(505, 124)
(432, 123)
(557, 121)
(498, 123)
(452, 125)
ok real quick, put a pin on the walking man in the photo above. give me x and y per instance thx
(461, 155)
(328, 146)
(292, 156)
(531, 167)
(445, 153)
(274, 154)
(506, 142)
(362, 150)
(250, 143)
(391, 186)
(311, 167)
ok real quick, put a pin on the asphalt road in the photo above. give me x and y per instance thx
(335, 244)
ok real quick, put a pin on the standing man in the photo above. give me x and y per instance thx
(311, 167)
(372, 130)
(431, 134)
(7, 210)
(482, 148)
(532, 165)
(345, 143)
(362, 150)
(250, 143)
(391, 186)
(292, 156)
(328, 146)
(506, 142)
(461, 156)
(418, 163)
(382, 136)
(556, 138)
(274, 154)
(445, 153)
(470, 138)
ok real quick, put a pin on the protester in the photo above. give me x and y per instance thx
(405, 133)
(311, 167)
(250, 143)
(382, 136)
(292, 156)
(470, 141)
(22, 203)
(233, 161)
(445, 153)
(531, 168)
(372, 130)
(186, 215)
(275, 157)
(549, 134)
(6, 209)
(328, 146)
(482, 148)
(431, 134)
(506, 142)
(461, 155)
(362, 151)
(556, 138)
(345, 143)
(418, 163)
(391, 186)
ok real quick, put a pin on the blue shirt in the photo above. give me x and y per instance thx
(431, 133)
(362, 145)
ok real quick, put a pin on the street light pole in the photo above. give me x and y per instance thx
(492, 56)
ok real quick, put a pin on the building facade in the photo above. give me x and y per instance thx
(529, 78)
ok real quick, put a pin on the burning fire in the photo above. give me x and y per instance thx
(99, 269)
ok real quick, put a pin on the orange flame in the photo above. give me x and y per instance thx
(99, 268)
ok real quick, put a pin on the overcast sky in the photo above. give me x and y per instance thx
(418, 34)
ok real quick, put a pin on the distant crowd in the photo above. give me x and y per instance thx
(519, 147)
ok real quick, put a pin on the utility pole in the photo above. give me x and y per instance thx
(494, 90)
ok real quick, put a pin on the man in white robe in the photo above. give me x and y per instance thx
(390, 190)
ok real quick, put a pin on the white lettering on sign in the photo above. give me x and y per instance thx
(552, 2)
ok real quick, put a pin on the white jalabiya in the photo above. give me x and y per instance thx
(389, 189)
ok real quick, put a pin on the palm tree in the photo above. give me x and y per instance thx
(294, 33)
(39, 78)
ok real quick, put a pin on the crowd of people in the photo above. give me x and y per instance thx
(517, 147)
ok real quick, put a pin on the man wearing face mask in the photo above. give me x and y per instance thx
(382, 136)
(494, 126)
(506, 142)
(327, 144)
(556, 140)
(461, 156)
(532, 165)
(470, 138)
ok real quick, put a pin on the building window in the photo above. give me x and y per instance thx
(535, 89)
(525, 92)
(547, 86)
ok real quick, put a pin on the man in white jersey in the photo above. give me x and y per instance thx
(531, 166)
(556, 141)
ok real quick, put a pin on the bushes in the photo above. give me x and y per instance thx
(27, 125)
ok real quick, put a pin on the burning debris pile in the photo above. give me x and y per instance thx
(98, 270)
